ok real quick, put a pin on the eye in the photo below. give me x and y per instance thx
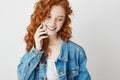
(48, 17)
(60, 19)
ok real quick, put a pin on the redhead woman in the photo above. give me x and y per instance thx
(50, 54)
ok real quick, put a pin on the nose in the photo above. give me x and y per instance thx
(52, 23)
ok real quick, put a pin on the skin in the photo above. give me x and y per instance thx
(51, 26)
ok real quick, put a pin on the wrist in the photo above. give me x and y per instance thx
(38, 48)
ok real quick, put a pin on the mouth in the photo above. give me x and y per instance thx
(51, 28)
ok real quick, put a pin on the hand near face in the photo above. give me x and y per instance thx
(39, 35)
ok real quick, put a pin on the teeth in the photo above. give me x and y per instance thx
(51, 28)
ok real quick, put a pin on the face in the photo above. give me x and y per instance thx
(55, 20)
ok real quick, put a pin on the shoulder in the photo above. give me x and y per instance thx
(75, 48)
(74, 45)
(75, 51)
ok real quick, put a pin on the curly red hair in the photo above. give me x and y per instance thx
(41, 10)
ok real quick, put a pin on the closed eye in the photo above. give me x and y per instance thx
(48, 17)
(60, 19)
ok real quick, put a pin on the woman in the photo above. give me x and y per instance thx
(50, 54)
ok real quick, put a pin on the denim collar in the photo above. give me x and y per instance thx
(63, 52)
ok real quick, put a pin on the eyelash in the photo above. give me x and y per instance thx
(60, 19)
(48, 17)
(56, 19)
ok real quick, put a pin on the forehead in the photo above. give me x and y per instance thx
(57, 11)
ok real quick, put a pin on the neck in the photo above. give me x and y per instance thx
(53, 40)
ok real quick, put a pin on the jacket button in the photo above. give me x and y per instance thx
(41, 78)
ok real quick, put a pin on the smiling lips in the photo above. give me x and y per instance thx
(51, 28)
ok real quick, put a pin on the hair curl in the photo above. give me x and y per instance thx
(41, 10)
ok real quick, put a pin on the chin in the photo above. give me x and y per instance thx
(51, 34)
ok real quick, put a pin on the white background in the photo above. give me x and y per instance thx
(96, 27)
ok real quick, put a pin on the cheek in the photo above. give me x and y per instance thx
(60, 24)
(46, 22)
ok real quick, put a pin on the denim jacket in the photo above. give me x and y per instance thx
(70, 64)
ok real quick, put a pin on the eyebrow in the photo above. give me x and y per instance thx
(60, 16)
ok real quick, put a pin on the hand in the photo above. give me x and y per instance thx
(39, 36)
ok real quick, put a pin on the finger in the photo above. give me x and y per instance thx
(41, 30)
(43, 37)
(40, 34)
(40, 27)
(44, 32)
(44, 25)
